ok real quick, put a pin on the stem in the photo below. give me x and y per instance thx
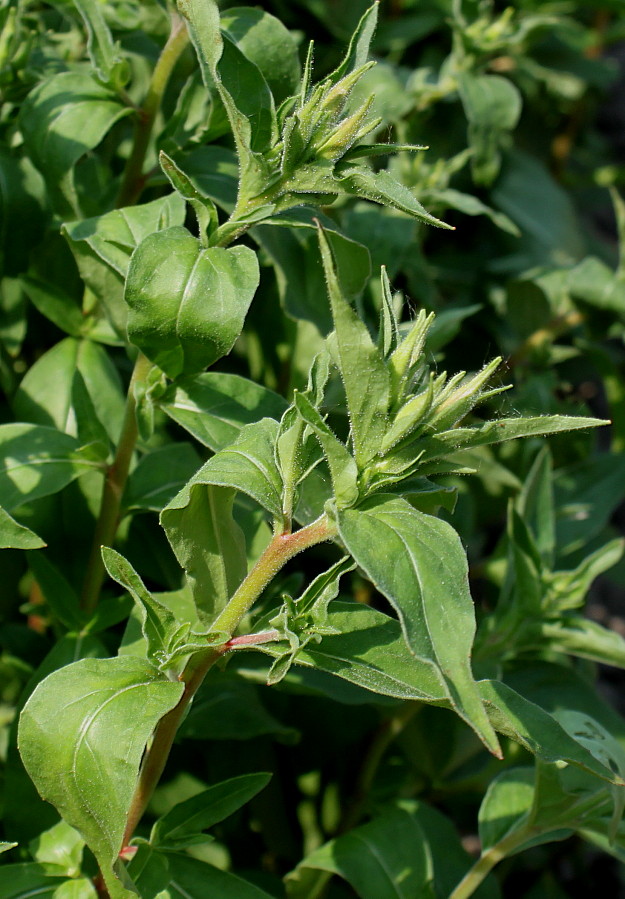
(112, 491)
(485, 864)
(280, 550)
(133, 180)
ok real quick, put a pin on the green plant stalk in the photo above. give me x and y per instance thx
(112, 492)
(133, 180)
(282, 548)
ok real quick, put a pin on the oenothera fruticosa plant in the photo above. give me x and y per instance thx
(95, 735)
(85, 728)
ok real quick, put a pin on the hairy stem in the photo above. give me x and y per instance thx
(133, 180)
(112, 491)
(280, 550)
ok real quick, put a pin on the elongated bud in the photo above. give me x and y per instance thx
(408, 355)
(344, 135)
(409, 417)
(461, 400)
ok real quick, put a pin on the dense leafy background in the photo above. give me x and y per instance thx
(520, 109)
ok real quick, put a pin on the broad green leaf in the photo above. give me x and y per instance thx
(247, 465)
(79, 888)
(14, 535)
(370, 651)
(82, 735)
(595, 283)
(388, 858)
(538, 730)
(159, 625)
(381, 187)
(586, 494)
(102, 246)
(242, 88)
(213, 170)
(214, 406)
(207, 541)
(189, 818)
(160, 475)
(47, 396)
(509, 798)
(61, 846)
(59, 595)
(342, 467)
(187, 303)
(266, 42)
(36, 461)
(22, 881)
(182, 877)
(471, 205)
(492, 105)
(363, 371)
(427, 585)
(62, 119)
(291, 241)
(57, 305)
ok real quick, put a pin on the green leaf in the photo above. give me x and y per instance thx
(214, 406)
(62, 119)
(25, 880)
(181, 876)
(448, 442)
(492, 105)
(203, 206)
(427, 585)
(538, 730)
(266, 42)
(102, 246)
(241, 86)
(342, 467)
(158, 624)
(537, 507)
(61, 846)
(363, 371)
(160, 475)
(568, 589)
(47, 393)
(358, 50)
(578, 636)
(111, 67)
(36, 461)
(291, 242)
(381, 187)
(471, 205)
(187, 303)
(595, 283)
(207, 541)
(82, 735)
(508, 799)
(14, 535)
(22, 218)
(189, 818)
(4, 846)
(388, 858)
(370, 651)
(586, 494)
(247, 465)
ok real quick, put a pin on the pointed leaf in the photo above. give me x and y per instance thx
(364, 374)
(36, 461)
(207, 541)
(388, 858)
(358, 50)
(538, 730)
(214, 406)
(82, 735)
(342, 467)
(247, 465)
(160, 475)
(381, 187)
(14, 535)
(59, 595)
(428, 586)
(205, 809)
(187, 303)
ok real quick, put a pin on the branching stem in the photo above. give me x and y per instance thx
(280, 550)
